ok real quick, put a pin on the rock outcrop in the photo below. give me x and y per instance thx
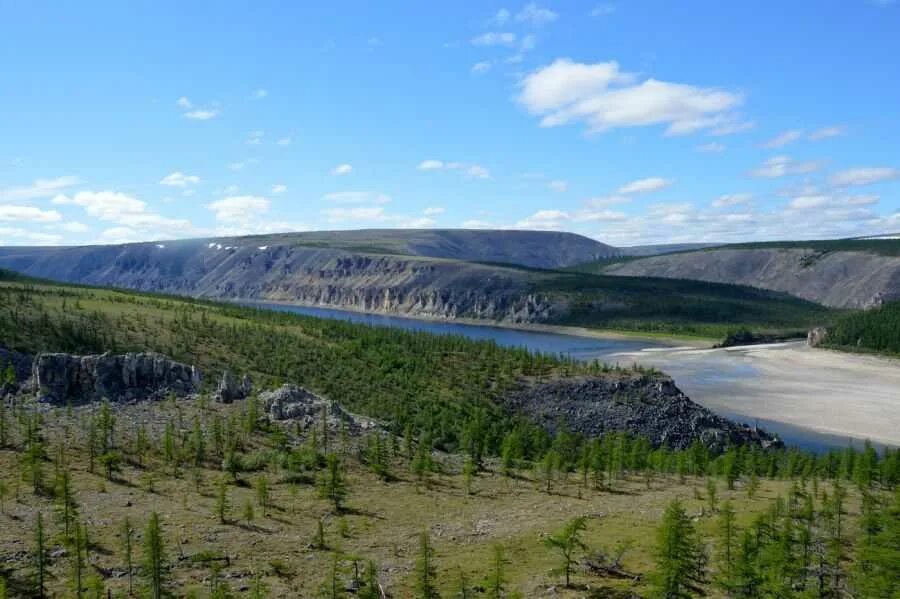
(816, 336)
(230, 389)
(62, 378)
(17, 363)
(290, 402)
(645, 405)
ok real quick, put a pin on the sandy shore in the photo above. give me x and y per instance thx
(827, 391)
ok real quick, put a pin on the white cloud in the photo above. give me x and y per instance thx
(255, 138)
(471, 171)
(807, 202)
(495, 38)
(237, 209)
(357, 197)
(849, 206)
(501, 17)
(647, 185)
(260, 94)
(179, 179)
(17, 236)
(712, 147)
(603, 9)
(558, 186)
(783, 139)
(606, 201)
(342, 169)
(535, 15)
(377, 214)
(284, 141)
(604, 215)
(202, 114)
(866, 175)
(736, 199)
(236, 166)
(604, 98)
(827, 132)
(21, 214)
(116, 235)
(477, 172)
(544, 220)
(479, 68)
(120, 208)
(184, 103)
(75, 227)
(782, 166)
(434, 210)
(430, 165)
(278, 189)
(732, 126)
(41, 188)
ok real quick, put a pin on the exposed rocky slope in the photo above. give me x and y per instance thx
(647, 405)
(65, 378)
(298, 274)
(840, 279)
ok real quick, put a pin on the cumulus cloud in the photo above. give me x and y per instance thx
(783, 139)
(18, 236)
(603, 9)
(471, 171)
(479, 68)
(255, 138)
(827, 133)
(501, 17)
(544, 220)
(712, 147)
(236, 209)
(75, 227)
(558, 186)
(783, 166)
(203, 114)
(184, 103)
(179, 179)
(535, 15)
(342, 169)
(495, 38)
(32, 214)
(603, 97)
(121, 209)
(647, 185)
(375, 214)
(606, 201)
(434, 210)
(278, 189)
(865, 175)
(357, 197)
(736, 199)
(41, 188)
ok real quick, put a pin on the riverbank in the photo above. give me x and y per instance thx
(533, 327)
(835, 393)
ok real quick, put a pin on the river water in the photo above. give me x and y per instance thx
(725, 381)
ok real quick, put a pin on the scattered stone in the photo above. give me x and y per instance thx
(290, 402)
(61, 378)
(641, 404)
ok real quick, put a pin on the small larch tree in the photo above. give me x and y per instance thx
(568, 543)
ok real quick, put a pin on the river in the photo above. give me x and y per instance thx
(813, 399)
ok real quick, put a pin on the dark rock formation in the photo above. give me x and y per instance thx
(63, 378)
(21, 369)
(290, 402)
(649, 406)
(230, 389)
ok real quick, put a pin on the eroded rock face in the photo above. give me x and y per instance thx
(63, 378)
(290, 402)
(21, 369)
(647, 405)
(230, 389)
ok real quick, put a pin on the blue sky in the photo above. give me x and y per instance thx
(639, 121)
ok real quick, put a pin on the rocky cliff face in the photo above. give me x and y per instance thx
(839, 279)
(650, 406)
(66, 378)
(396, 284)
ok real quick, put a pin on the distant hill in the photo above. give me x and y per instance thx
(842, 273)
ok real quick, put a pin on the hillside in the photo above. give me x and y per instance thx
(237, 499)
(839, 273)
(277, 268)
(876, 330)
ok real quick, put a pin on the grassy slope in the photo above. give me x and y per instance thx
(679, 306)
(383, 519)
